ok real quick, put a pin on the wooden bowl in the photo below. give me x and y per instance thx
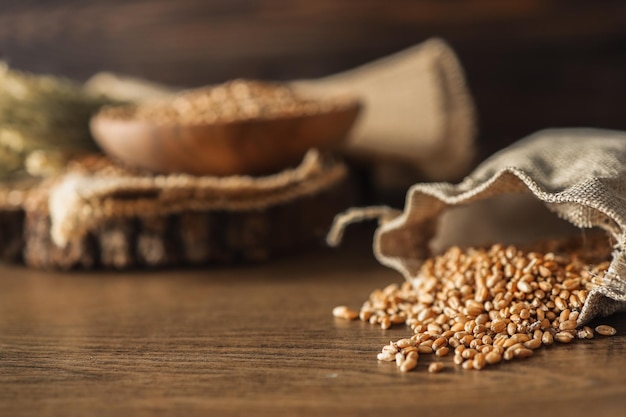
(242, 147)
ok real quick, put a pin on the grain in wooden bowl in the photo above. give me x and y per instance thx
(238, 128)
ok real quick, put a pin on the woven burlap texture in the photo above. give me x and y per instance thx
(579, 174)
(416, 107)
(80, 200)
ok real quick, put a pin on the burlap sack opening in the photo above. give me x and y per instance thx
(579, 174)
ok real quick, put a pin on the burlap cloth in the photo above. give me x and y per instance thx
(92, 192)
(579, 174)
(417, 109)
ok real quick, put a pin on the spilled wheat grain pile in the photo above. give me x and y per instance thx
(486, 305)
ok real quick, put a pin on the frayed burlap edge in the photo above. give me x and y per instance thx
(78, 202)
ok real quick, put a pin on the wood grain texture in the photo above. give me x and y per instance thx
(530, 64)
(259, 341)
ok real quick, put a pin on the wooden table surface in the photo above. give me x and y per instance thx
(260, 340)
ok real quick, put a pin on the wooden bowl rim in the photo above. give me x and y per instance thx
(348, 104)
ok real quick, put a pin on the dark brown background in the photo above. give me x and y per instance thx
(530, 64)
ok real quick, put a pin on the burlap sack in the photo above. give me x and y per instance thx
(579, 174)
(417, 109)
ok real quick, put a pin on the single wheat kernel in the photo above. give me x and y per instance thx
(448, 334)
(563, 337)
(510, 342)
(523, 353)
(403, 343)
(468, 364)
(391, 348)
(485, 349)
(508, 355)
(547, 338)
(511, 329)
(386, 356)
(442, 351)
(482, 293)
(540, 314)
(493, 357)
(385, 323)
(469, 353)
(475, 344)
(478, 329)
(584, 333)
(500, 341)
(428, 343)
(589, 331)
(409, 349)
(467, 339)
(409, 364)
(344, 312)
(571, 284)
(568, 325)
(435, 367)
(498, 326)
(605, 330)
(532, 344)
(543, 271)
(524, 286)
(424, 349)
(482, 319)
(514, 347)
(458, 326)
(399, 358)
(435, 328)
(560, 304)
(453, 342)
(479, 361)
(423, 337)
(439, 342)
(474, 308)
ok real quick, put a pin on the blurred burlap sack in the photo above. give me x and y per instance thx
(417, 110)
(578, 174)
